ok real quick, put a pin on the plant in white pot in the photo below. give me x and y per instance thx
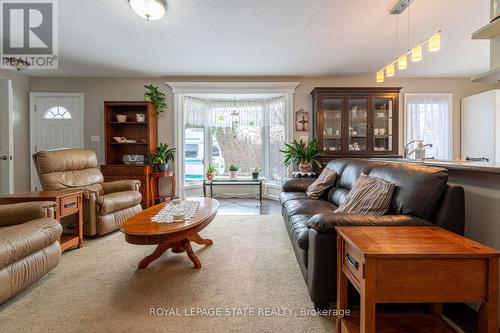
(305, 155)
(161, 157)
(233, 171)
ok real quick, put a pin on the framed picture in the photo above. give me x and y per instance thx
(495, 10)
(301, 120)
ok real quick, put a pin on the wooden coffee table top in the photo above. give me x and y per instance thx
(413, 242)
(141, 224)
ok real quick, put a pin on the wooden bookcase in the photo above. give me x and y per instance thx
(356, 122)
(144, 133)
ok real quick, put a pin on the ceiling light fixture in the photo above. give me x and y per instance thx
(149, 9)
(416, 53)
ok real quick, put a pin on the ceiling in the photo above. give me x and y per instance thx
(262, 37)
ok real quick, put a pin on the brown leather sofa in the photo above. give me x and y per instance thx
(29, 245)
(422, 197)
(107, 205)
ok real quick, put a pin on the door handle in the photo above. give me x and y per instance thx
(4, 157)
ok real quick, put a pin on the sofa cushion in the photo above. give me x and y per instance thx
(307, 206)
(325, 180)
(419, 189)
(114, 202)
(368, 196)
(352, 171)
(300, 230)
(337, 195)
(21, 240)
(285, 196)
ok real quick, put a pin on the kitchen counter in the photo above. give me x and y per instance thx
(484, 167)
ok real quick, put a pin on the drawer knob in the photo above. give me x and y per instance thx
(352, 261)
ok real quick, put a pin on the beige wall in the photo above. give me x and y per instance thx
(21, 128)
(98, 90)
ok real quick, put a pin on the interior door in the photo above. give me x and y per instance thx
(6, 138)
(57, 123)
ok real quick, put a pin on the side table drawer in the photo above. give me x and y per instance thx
(353, 261)
(126, 170)
(69, 205)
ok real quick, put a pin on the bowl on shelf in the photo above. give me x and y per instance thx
(121, 118)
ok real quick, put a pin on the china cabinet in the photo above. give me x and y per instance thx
(356, 122)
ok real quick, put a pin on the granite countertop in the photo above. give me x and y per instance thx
(486, 167)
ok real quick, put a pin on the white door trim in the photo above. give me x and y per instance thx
(10, 152)
(181, 89)
(33, 125)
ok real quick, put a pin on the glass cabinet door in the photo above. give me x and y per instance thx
(383, 124)
(332, 124)
(358, 120)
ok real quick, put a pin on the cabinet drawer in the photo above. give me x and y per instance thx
(123, 170)
(353, 261)
(69, 205)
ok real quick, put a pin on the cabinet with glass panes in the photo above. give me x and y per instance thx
(356, 122)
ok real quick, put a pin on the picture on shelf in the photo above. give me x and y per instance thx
(302, 120)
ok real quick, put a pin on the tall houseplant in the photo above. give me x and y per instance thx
(302, 154)
(161, 157)
(155, 96)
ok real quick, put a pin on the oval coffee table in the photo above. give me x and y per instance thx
(140, 230)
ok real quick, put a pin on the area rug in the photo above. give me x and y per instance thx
(249, 282)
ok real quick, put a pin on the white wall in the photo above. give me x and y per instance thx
(98, 90)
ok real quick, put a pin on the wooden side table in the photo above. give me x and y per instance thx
(155, 190)
(414, 265)
(69, 202)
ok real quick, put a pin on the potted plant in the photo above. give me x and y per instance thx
(302, 154)
(233, 171)
(161, 157)
(211, 170)
(255, 173)
(155, 96)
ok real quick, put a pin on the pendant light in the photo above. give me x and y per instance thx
(416, 53)
(149, 9)
(434, 42)
(380, 76)
(403, 62)
(390, 70)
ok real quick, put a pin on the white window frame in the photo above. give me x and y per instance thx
(450, 103)
(182, 89)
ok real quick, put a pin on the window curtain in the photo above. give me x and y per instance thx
(428, 119)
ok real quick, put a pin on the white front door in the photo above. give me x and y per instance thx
(6, 138)
(57, 123)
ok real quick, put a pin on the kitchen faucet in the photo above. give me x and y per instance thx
(405, 149)
(420, 150)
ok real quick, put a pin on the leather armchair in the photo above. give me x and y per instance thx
(29, 245)
(106, 205)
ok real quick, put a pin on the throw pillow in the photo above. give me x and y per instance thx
(368, 196)
(325, 180)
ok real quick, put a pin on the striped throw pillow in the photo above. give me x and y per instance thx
(368, 196)
(325, 180)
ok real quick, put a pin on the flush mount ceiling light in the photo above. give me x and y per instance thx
(149, 9)
(415, 53)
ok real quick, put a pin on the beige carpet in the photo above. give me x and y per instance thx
(97, 288)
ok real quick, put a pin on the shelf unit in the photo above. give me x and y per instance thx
(146, 133)
(345, 121)
(489, 31)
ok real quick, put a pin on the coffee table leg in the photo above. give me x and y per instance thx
(189, 250)
(153, 256)
(200, 240)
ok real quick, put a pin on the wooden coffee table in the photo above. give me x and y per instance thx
(140, 230)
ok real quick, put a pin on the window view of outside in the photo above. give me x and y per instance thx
(244, 133)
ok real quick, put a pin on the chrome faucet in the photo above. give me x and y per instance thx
(420, 150)
(405, 149)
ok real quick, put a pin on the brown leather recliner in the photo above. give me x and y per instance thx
(29, 245)
(106, 205)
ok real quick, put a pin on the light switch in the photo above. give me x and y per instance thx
(94, 138)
